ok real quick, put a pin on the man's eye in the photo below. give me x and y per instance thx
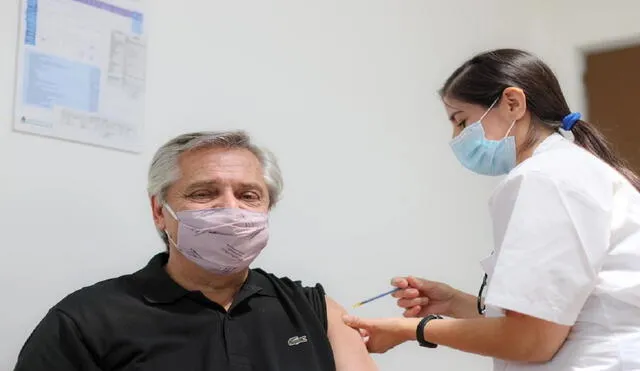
(251, 196)
(200, 194)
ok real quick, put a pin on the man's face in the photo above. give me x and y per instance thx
(213, 178)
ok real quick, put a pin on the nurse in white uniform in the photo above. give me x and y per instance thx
(562, 287)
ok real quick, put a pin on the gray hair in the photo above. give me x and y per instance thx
(164, 169)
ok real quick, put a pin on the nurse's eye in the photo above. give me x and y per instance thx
(462, 124)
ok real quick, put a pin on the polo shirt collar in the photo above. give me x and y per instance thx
(158, 287)
(257, 283)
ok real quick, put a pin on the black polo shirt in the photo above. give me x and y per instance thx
(147, 322)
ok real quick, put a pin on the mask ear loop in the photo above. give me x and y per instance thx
(168, 208)
(170, 239)
(489, 109)
(486, 113)
(510, 127)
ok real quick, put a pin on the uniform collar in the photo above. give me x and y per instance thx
(157, 287)
(548, 142)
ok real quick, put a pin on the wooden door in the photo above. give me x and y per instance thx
(612, 83)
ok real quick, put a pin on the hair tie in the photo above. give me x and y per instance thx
(570, 120)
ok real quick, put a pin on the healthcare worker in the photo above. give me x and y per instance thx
(563, 282)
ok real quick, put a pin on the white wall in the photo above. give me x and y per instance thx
(342, 91)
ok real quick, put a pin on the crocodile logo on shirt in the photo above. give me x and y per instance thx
(296, 340)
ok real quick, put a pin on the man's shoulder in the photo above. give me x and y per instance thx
(289, 284)
(96, 297)
(122, 293)
(294, 291)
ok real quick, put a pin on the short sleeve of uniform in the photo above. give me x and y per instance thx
(550, 238)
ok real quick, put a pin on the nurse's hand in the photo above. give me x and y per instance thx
(420, 297)
(384, 334)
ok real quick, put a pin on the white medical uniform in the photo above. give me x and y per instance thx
(567, 250)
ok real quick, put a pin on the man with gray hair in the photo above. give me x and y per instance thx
(198, 305)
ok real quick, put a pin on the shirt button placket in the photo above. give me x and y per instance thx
(236, 344)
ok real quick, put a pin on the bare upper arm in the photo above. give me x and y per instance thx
(544, 338)
(349, 350)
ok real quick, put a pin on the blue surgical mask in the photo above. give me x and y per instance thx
(484, 156)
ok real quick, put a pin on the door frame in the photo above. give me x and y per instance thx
(609, 44)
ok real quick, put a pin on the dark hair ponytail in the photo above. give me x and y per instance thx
(484, 77)
(590, 138)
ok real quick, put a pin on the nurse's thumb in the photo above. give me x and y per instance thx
(420, 284)
(354, 322)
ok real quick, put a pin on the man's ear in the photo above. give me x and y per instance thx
(514, 103)
(158, 215)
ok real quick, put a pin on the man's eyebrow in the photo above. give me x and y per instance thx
(252, 185)
(202, 183)
(214, 182)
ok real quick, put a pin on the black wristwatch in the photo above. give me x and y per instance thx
(420, 331)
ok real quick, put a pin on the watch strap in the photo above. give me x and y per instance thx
(420, 331)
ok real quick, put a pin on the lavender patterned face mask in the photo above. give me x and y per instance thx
(221, 240)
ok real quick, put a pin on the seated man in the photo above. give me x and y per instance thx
(198, 306)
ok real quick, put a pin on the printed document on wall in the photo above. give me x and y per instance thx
(81, 71)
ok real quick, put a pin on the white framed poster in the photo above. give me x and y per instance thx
(81, 71)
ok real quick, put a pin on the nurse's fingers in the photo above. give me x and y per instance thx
(409, 303)
(413, 311)
(420, 283)
(406, 294)
(364, 334)
(400, 282)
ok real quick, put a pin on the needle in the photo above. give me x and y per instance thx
(375, 297)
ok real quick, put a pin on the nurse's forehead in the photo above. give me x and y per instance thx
(456, 108)
(456, 105)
